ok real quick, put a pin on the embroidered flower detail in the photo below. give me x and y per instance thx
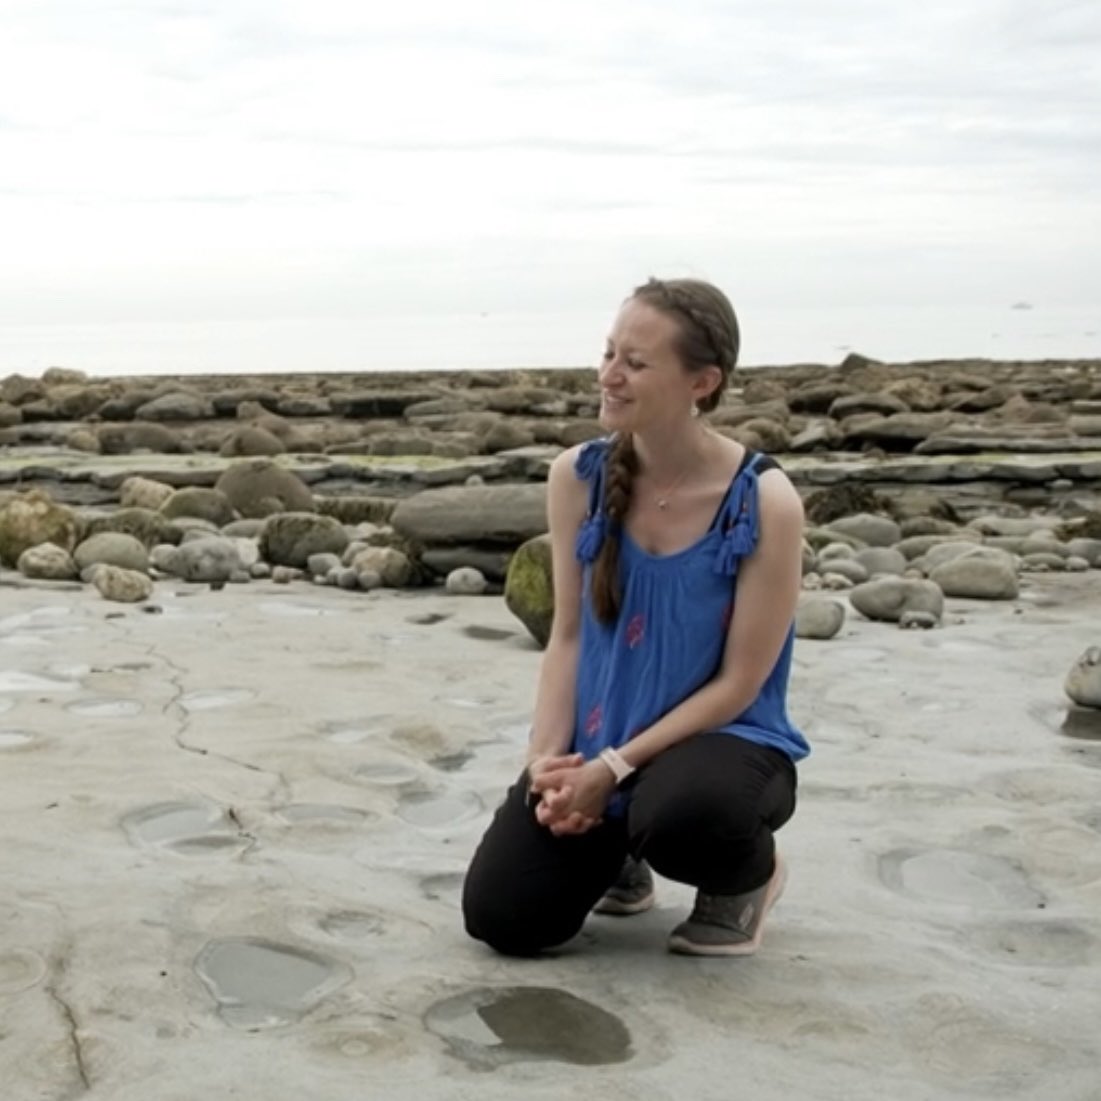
(592, 723)
(636, 630)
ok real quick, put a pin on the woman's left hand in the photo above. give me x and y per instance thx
(573, 799)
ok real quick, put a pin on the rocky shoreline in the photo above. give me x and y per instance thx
(954, 476)
(983, 433)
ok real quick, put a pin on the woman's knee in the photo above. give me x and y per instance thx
(508, 928)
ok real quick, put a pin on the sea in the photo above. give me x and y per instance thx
(489, 341)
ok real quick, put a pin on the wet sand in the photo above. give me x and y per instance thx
(235, 825)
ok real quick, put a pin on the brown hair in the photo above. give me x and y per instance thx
(707, 336)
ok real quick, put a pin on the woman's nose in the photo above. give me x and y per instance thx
(609, 370)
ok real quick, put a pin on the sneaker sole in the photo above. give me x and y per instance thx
(616, 908)
(776, 886)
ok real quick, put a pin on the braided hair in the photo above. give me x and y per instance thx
(707, 336)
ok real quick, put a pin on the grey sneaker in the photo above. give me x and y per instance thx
(728, 925)
(631, 893)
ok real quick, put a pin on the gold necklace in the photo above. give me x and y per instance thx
(661, 498)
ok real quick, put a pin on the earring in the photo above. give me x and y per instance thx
(695, 410)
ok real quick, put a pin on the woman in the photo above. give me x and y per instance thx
(660, 734)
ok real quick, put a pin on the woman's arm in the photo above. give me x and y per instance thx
(767, 592)
(768, 585)
(574, 794)
(553, 721)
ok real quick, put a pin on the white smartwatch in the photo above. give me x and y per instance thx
(620, 768)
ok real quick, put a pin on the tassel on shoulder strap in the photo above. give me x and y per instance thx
(741, 522)
(589, 466)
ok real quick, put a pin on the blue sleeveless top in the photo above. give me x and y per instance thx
(669, 637)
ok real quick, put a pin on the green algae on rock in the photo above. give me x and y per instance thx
(32, 518)
(529, 587)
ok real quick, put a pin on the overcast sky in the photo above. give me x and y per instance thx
(253, 160)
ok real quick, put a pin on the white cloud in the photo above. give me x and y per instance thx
(174, 160)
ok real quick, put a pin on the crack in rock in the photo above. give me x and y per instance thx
(184, 722)
(74, 1038)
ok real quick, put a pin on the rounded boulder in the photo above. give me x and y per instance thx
(32, 518)
(888, 598)
(1083, 683)
(112, 548)
(199, 503)
(259, 488)
(47, 562)
(289, 538)
(529, 587)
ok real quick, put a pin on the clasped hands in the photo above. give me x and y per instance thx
(573, 793)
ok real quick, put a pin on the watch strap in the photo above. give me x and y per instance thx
(614, 760)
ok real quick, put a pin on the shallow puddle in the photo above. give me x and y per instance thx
(352, 733)
(391, 637)
(386, 774)
(466, 704)
(321, 812)
(437, 811)
(486, 634)
(260, 984)
(74, 671)
(286, 608)
(20, 969)
(944, 707)
(1036, 944)
(104, 708)
(946, 645)
(215, 698)
(23, 641)
(185, 828)
(488, 1028)
(36, 617)
(1082, 722)
(452, 762)
(13, 681)
(957, 876)
(354, 925)
(443, 887)
(12, 739)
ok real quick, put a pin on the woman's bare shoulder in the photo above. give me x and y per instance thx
(778, 495)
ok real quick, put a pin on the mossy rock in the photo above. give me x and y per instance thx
(251, 439)
(357, 508)
(125, 439)
(1085, 527)
(259, 487)
(147, 526)
(201, 503)
(289, 538)
(529, 587)
(823, 506)
(32, 518)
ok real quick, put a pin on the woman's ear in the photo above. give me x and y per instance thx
(706, 382)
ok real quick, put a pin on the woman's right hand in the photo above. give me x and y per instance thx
(551, 762)
(555, 794)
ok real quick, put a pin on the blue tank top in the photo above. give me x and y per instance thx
(669, 637)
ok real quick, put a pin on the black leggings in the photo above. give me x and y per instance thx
(703, 813)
